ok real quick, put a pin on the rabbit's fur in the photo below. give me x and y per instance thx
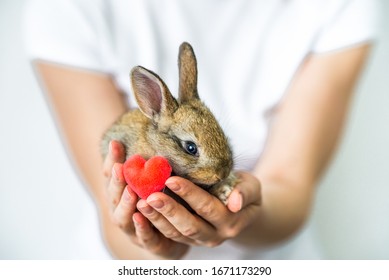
(184, 131)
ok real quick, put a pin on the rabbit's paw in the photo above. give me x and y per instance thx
(223, 189)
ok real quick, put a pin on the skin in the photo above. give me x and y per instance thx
(270, 203)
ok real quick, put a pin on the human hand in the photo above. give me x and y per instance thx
(214, 222)
(122, 206)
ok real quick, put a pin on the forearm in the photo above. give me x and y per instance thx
(84, 105)
(306, 128)
(284, 209)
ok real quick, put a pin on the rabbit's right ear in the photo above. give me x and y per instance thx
(187, 67)
(152, 94)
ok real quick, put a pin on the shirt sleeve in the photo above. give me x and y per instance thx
(60, 31)
(354, 22)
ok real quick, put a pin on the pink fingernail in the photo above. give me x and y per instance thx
(114, 174)
(240, 201)
(171, 184)
(135, 221)
(146, 210)
(158, 204)
(127, 196)
(110, 147)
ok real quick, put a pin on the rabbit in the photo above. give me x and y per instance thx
(184, 131)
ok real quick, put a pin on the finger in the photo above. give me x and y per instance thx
(203, 203)
(245, 201)
(116, 153)
(122, 215)
(161, 223)
(235, 201)
(190, 226)
(246, 192)
(154, 241)
(116, 186)
(147, 236)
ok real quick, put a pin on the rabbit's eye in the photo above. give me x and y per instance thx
(191, 148)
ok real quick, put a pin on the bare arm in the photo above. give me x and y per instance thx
(304, 135)
(85, 104)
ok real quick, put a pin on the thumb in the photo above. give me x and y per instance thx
(116, 154)
(246, 192)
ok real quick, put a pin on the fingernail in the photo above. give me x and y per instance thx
(239, 201)
(146, 210)
(127, 196)
(114, 174)
(171, 184)
(113, 151)
(110, 147)
(158, 204)
(135, 221)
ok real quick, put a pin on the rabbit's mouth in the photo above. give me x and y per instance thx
(206, 184)
(202, 185)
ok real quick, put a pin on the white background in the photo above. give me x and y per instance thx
(194, 270)
(40, 194)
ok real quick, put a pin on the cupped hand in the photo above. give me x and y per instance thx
(213, 222)
(122, 203)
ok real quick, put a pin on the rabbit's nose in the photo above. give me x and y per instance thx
(216, 178)
(225, 173)
(221, 175)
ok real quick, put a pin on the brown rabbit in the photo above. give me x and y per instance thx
(184, 131)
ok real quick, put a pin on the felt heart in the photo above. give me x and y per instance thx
(146, 177)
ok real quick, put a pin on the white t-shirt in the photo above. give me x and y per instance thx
(248, 52)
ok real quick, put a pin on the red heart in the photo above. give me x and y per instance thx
(146, 177)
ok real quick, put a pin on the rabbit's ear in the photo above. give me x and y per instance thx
(152, 94)
(187, 66)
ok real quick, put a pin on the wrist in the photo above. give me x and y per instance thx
(282, 213)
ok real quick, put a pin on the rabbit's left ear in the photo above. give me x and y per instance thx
(152, 94)
(187, 66)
